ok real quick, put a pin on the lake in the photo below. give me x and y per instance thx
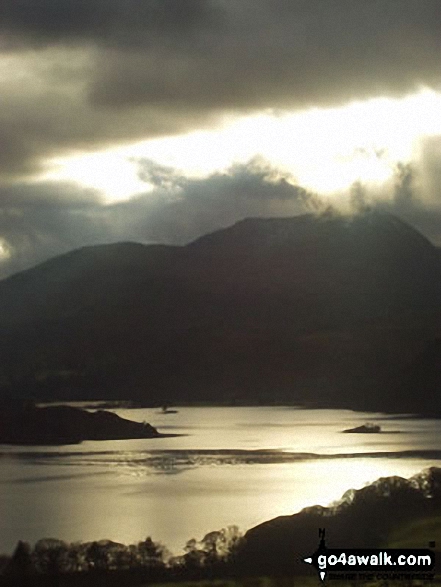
(240, 465)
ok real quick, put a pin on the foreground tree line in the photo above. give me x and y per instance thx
(391, 512)
(84, 562)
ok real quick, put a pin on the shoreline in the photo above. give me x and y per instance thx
(135, 405)
(60, 425)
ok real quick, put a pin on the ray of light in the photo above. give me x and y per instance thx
(325, 149)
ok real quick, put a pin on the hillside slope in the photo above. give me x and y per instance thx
(312, 308)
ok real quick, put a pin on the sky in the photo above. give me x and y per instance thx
(161, 120)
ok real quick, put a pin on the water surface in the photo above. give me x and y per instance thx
(232, 466)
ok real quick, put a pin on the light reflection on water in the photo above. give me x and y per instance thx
(233, 466)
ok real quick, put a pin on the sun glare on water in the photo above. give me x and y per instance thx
(325, 150)
(333, 478)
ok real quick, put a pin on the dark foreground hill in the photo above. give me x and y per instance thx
(320, 309)
(392, 512)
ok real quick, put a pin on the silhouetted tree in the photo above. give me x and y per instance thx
(97, 555)
(220, 544)
(193, 557)
(51, 556)
(21, 563)
(151, 554)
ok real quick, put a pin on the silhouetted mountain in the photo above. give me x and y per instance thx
(326, 309)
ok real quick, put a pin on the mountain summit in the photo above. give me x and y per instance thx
(326, 309)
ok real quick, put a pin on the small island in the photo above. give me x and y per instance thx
(367, 428)
(57, 425)
(167, 410)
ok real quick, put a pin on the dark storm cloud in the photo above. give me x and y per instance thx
(97, 72)
(181, 209)
(161, 176)
(124, 23)
(38, 221)
(43, 220)
(46, 195)
(281, 54)
(43, 113)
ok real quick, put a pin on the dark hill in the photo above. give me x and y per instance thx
(423, 377)
(72, 282)
(313, 308)
(56, 425)
(380, 515)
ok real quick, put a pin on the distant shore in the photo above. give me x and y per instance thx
(63, 424)
(124, 404)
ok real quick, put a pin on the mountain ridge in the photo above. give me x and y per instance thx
(310, 308)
